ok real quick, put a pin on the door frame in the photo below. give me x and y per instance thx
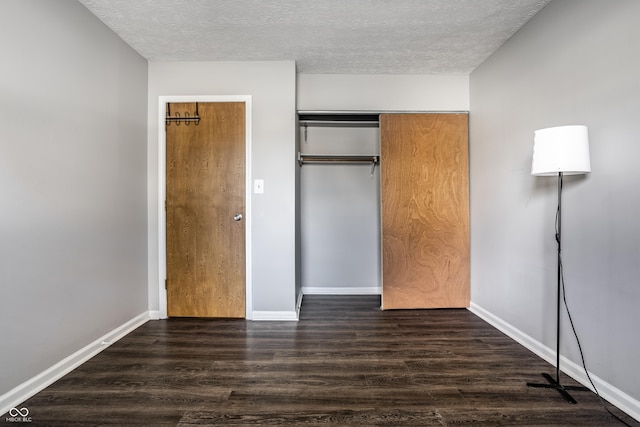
(162, 179)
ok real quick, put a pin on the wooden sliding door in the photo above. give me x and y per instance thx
(425, 210)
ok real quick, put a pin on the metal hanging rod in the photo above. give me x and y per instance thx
(186, 118)
(339, 159)
(336, 158)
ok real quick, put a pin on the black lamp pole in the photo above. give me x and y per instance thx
(555, 383)
(559, 261)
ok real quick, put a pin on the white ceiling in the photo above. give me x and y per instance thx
(322, 36)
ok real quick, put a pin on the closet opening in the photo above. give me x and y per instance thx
(340, 234)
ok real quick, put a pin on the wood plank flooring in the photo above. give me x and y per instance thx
(344, 363)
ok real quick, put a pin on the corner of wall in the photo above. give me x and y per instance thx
(39, 382)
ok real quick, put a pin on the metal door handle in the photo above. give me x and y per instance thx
(237, 217)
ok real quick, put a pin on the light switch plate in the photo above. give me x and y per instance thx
(258, 186)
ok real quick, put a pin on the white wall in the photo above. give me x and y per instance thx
(272, 88)
(72, 184)
(576, 62)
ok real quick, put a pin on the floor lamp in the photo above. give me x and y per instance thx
(559, 151)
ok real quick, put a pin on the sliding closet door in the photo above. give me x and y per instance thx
(425, 210)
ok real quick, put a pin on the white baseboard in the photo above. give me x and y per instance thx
(275, 315)
(24, 391)
(156, 315)
(371, 290)
(608, 392)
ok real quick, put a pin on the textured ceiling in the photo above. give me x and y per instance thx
(322, 36)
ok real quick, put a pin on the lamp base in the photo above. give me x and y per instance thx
(559, 387)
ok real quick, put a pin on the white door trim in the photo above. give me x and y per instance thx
(162, 160)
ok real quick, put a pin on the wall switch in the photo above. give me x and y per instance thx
(258, 186)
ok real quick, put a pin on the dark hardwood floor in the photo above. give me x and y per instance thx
(344, 363)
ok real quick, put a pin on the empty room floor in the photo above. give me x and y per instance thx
(345, 362)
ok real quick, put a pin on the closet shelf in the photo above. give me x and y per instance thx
(338, 119)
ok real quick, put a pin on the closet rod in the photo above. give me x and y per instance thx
(336, 158)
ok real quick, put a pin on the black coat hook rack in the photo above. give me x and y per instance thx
(186, 118)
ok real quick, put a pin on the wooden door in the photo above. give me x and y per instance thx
(425, 210)
(205, 191)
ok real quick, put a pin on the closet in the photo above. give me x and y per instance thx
(339, 204)
(384, 206)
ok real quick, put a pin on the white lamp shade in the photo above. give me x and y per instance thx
(561, 149)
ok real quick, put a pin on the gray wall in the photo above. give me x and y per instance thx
(383, 92)
(576, 62)
(273, 159)
(72, 184)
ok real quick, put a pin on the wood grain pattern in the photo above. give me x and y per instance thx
(205, 189)
(425, 210)
(345, 362)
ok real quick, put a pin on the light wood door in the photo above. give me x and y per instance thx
(425, 210)
(205, 191)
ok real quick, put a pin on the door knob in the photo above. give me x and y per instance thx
(237, 217)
